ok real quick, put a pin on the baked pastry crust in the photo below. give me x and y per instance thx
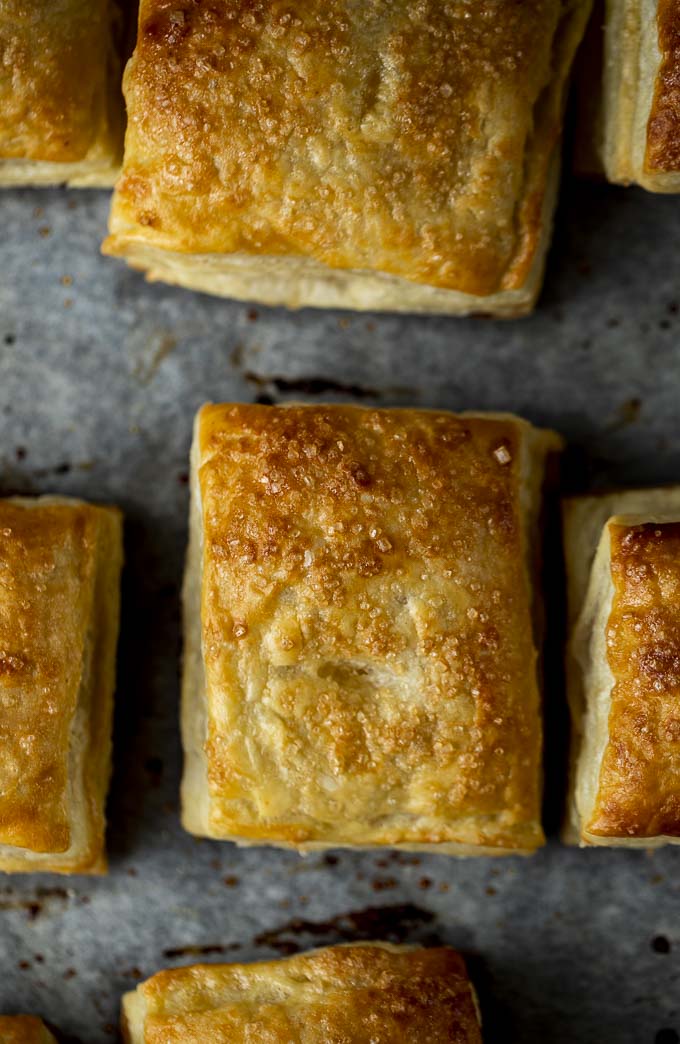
(361, 992)
(61, 107)
(662, 158)
(636, 130)
(360, 661)
(24, 1029)
(623, 667)
(60, 563)
(370, 156)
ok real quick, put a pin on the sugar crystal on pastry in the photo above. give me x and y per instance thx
(360, 639)
(385, 155)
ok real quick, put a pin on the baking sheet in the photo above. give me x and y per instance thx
(100, 375)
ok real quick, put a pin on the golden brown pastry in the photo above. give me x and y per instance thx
(623, 563)
(384, 155)
(636, 128)
(360, 659)
(370, 993)
(60, 564)
(61, 106)
(24, 1029)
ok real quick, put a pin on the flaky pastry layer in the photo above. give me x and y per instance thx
(353, 155)
(360, 660)
(360, 992)
(24, 1029)
(60, 564)
(61, 107)
(636, 129)
(622, 667)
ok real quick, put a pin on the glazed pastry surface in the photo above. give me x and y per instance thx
(663, 130)
(24, 1029)
(342, 149)
(632, 132)
(639, 790)
(59, 571)
(622, 667)
(360, 660)
(60, 97)
(362, 993)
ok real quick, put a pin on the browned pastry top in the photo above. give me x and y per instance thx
(47, 568)
(411, 138)
(24, 1029)
(363, 994)
(54, 75)
(639, 786)
(663, 129)
(367, 626)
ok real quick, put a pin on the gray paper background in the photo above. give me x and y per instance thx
(100, 376)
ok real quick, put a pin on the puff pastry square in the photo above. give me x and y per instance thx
(61, 105)
(360, 659)
(24, 1029)
(387, 155)
(60, 564)
(636, 128)
(623, 562)
(362, 992)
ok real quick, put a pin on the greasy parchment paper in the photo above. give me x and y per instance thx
(100, 376)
